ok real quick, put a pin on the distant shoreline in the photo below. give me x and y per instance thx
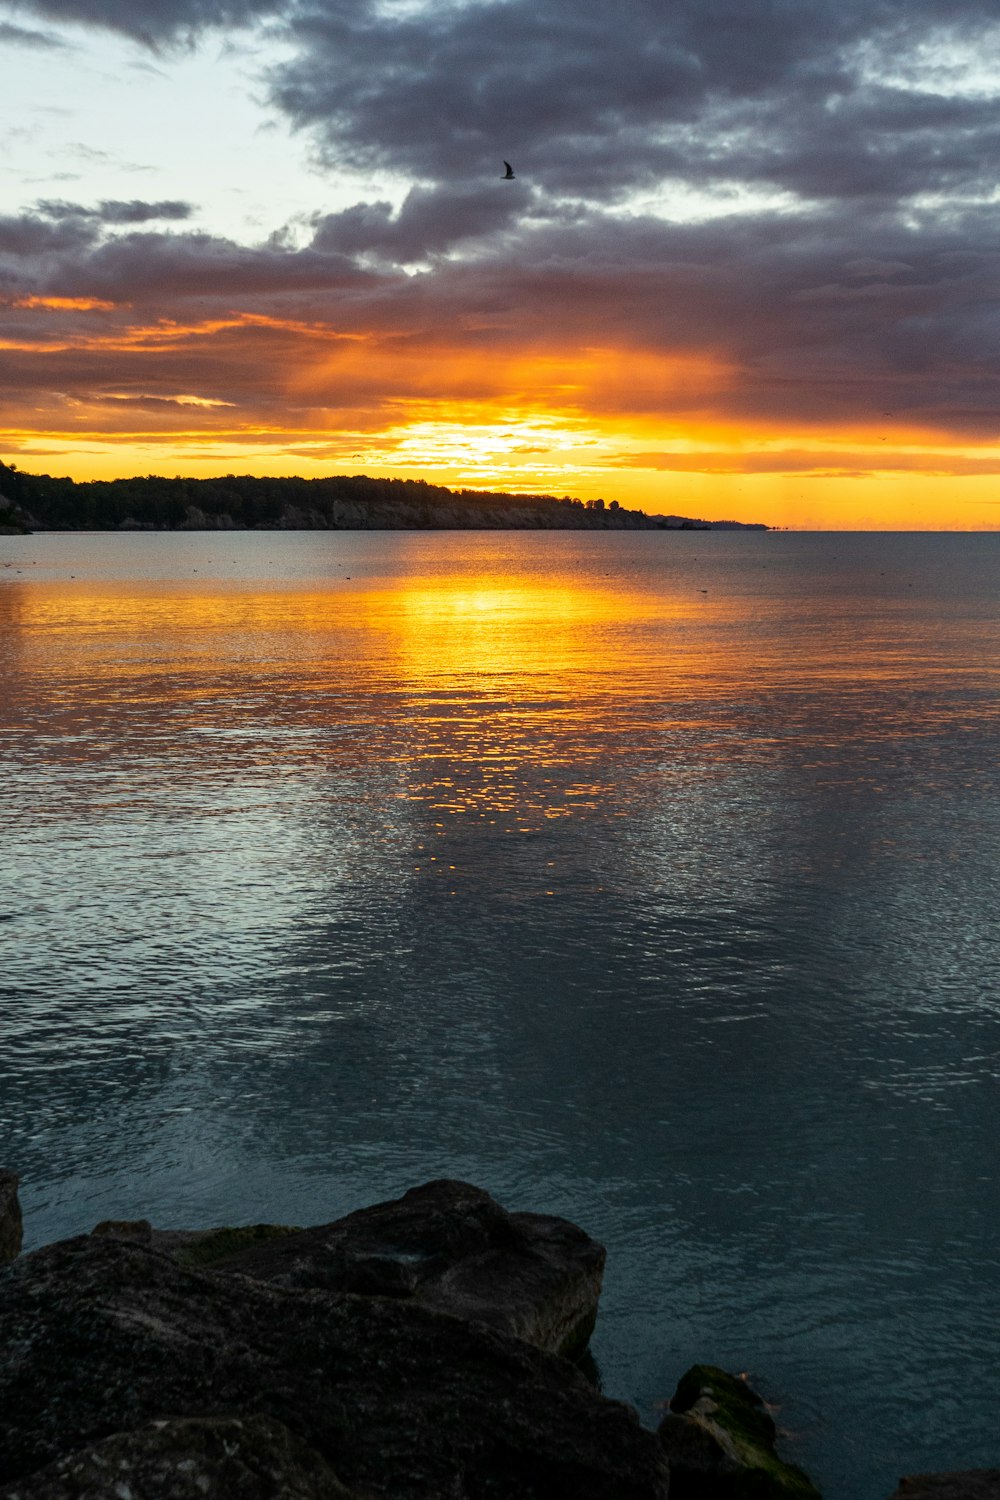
(41, 502)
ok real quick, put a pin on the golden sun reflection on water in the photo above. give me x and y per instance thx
(633, 869)
(498, 678)
(485, 694)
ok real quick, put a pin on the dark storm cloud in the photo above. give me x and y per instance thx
(430, 221)
(28, 235)
(792, 95)
(819, 98)
(83, 255)
(50, 241)
(859, 277)
(878, 143)
(159, 269)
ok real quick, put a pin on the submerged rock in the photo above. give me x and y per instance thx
(229, 1458)
(447, 1245)
(967, 1484)
(11, 1227)
(102, 1335)
(719, 1441)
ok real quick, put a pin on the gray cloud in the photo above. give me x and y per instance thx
(116, 211)
(20, 36)
(157, 269)
(27, 235)
(154, 21)
(824, 99)
(869, 286)
(760, 91)
(429, 221)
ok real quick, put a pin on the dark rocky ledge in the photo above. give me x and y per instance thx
(10, 1218)
(189, 1458)
(411, 1351)
(105, 1334)
(720, 1439)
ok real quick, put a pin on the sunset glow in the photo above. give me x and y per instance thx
(751, 336)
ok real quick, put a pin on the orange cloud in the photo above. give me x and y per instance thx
(280, 393)
(65, 304)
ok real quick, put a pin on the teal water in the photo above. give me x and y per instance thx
(646, 878)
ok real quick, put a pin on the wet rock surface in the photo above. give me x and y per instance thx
(10, 1218)
(228, 1458)
(967, 1484)
(192, 1247)
(720, 1443)
(103, 1335)
(404, 1352)
(451, 1246)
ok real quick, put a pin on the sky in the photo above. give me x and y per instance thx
(748, 267)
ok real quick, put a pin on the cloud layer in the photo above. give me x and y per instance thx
(757, 214)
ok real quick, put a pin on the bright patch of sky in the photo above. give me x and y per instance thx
(684, 203)
(403, 10)
(943, 62)
(100, 117)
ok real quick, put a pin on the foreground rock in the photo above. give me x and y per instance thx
(719, 1440)
(451, 1246)
(229, 1458)
(192, 1247)
(970, 1484)
(10, 1218)
(103, 1335)
(446, 1244)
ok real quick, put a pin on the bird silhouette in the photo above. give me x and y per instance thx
(508, 176)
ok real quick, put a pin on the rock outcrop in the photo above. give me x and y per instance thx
(967, 1484)
(103, 1335)
(228, 1458)
(451, 1246)
(720, 1443)
(10, 1218)
(414, 1350)
(193, 1247)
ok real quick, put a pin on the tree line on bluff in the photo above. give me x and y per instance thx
(239, 502)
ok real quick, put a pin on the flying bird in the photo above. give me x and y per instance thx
(508, 176)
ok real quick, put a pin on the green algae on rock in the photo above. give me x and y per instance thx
(720, 1443)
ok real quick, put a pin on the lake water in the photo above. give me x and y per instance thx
(651, 879)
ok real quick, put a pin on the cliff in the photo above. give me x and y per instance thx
(341, 503)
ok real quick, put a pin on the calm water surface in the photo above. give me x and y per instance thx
(649, 879)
